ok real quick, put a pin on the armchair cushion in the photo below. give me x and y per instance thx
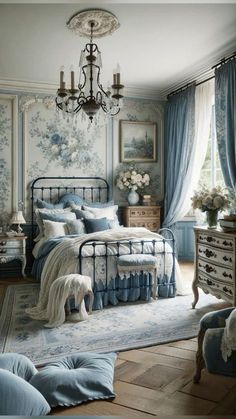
(213, 356)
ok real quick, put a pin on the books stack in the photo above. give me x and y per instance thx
(228, 224)
(146, 200)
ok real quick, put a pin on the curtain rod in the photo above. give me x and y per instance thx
(219, 64)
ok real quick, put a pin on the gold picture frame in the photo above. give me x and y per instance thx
(138, 141)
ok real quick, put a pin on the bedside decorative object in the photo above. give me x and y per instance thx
(133, 179)
(18, 218)
(12, 248)
(146, 200)
(133, 197)
(228, 223)
(211, 202)
(211, 218)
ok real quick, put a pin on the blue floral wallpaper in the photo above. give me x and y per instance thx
(5, 155)
(51, 145)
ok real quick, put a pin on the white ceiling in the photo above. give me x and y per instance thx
(158, 46)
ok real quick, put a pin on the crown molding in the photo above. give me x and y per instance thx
(50, 88)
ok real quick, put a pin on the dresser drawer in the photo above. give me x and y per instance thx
(218, 272)
(150, 224)
(223, 257)
(144, 212)
(226, 243)
(215, 287)
(8, 244)
(10, 251)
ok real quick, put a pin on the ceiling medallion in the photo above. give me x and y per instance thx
(104, 23)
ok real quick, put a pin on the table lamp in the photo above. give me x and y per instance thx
(18, 218)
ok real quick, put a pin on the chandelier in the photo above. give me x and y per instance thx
(89, 94)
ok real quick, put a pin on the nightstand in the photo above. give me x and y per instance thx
(142, 216)
(12, 248)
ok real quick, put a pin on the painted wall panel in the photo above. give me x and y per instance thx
(185, 240)
(8, 157)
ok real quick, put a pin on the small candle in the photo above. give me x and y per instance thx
(72, 74)
(61, 76)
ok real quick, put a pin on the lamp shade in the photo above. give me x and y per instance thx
(18, 218)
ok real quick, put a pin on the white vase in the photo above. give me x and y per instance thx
(133, 197)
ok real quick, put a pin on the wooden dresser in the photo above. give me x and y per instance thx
(142, 216)
(215, 264)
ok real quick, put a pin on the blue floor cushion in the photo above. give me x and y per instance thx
(76, 379)
(18, 397)
(18, 364)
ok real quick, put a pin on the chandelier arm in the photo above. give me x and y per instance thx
(104, 108)
(99, 84)
(85, 78)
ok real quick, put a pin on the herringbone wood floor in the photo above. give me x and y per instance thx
(158, 381)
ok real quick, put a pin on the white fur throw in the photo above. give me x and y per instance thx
(228, 343)
(63, 287)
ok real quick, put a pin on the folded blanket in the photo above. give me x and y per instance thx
(228, 343)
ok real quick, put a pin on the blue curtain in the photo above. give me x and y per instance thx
(178, 140)
(225, 109)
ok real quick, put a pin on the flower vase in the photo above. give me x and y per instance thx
(133, 197)
(211, 218)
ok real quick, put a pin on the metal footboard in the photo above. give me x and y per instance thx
(90, 249)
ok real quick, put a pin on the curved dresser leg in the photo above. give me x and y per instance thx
(23, 261)
(200, 363)
(195, 294)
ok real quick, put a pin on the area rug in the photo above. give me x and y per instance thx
(125, 326)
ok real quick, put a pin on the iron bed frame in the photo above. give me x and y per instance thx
(100, 193)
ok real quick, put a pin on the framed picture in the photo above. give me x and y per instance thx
(138, 141)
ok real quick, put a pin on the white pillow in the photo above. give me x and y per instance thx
(54, 229)
(108, 212)
(39, 220)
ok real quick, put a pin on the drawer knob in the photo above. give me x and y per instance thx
(227, 275)
(225, 243)
(226, 259)
(3, 243)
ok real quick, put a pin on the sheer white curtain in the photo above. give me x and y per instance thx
(204, 99)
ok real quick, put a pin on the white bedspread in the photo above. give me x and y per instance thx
(63, 259)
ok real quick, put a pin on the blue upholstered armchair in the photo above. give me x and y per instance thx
(209, 345)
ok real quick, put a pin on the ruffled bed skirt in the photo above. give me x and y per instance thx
(131, 288)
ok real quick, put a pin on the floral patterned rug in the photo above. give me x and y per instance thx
(126, 326)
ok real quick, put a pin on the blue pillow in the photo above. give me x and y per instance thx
(76, 227)
(99, 204)
(48, 205)
(82, 214)
(18, 364)
(77, 379)
(70, 197)
(20, 398)
(96, 224)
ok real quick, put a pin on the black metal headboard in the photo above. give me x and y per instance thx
(50, 189)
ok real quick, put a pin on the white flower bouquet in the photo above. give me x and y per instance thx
(132, 178)
(216, 199)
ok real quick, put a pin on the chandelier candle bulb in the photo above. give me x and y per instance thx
(62, 77)
(118, 74)
(72, 75)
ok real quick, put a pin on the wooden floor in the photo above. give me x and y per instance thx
(158, 381)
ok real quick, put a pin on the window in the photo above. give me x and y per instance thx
(211, 174)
